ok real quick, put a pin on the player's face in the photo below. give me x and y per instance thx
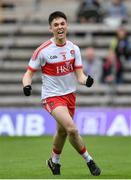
(59, 28)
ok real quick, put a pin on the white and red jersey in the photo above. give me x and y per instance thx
(57, 64)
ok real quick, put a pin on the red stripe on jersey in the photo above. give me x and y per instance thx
(78, 67)
(59, 68)
(44, 45)
(32, 69)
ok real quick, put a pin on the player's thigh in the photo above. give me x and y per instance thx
(62, 116)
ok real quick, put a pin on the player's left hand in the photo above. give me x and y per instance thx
(89, 81)
(27, 90)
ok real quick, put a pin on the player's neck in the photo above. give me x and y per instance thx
(60, 42)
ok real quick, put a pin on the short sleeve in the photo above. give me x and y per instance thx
(78, 60)
(36, 61)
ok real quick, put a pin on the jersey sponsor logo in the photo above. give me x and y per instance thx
(58, 68)
(53, 57)
(67, 67)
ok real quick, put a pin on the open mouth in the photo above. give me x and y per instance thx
(60, 32)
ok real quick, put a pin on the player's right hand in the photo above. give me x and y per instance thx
(27, 90)
(89, 81)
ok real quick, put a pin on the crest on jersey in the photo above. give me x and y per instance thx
(72, 51)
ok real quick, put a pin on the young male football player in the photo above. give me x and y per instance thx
(60, 63)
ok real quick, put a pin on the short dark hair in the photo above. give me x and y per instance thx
(55, 15)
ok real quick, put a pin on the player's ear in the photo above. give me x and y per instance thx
(50, 29)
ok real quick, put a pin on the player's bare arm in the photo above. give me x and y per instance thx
(27, 80)
(83, 79)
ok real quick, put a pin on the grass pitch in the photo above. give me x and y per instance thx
(24, 158)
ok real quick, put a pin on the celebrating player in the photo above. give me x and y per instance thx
(61, 66)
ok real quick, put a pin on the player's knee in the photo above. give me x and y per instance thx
(62, 132)
(72, 131)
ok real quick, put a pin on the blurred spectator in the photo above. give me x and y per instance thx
(37, 5)
(92, 65)
(116, 13)
(112, 69)
(89, 11)
(6, 6)
(1, 16)
(121, 45)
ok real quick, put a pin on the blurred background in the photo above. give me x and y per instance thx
(102, 30)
